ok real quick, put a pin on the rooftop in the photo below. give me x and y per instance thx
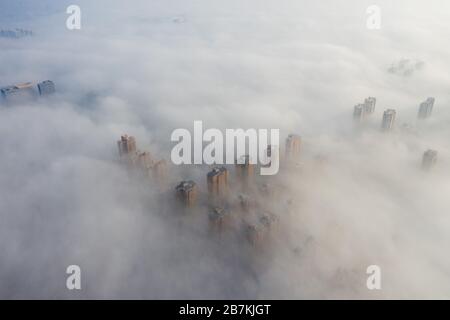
(216, 171)
(185, 186)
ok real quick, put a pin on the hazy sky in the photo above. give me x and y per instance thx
(148, 67)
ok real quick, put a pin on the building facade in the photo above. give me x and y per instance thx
(429, 159)
(369, 105)
(293, 143)
(388, 120)
(46, 88)
(187, 193)
(426, 108)
(217, 180)
(126, 145)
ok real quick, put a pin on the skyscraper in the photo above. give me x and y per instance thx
(187, 193)
(46, 88)
(145, 160)
(359, 112)
(219, 219)
(159, 172)
(254, 233)
(217, 180)
(18, 93)
(369, 105)
(293, 143)
(426, 108)
(245, 170)
(127, 145)
(429, 159)
(388, 119)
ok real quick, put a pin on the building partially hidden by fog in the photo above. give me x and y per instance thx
(46, 87)
(18, 93)
(127, 145)
(269, 220)
(293, 143)
(388, 120)
(159, 171)
(217, 180)
(429, 159)
(426, 108)
(369, 105)
(142, 162)
(145, 160)
(26, 92)
(187, 193)
(245, 170)
(358, 112)
(254, 233)
(220, 219)
(361, 110)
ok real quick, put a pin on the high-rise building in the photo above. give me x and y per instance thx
(159, 172)
(359, 112)
(217, 180)
(219, 219)
(269, 220)
(187, 193)
(369, 105)
(293, 143)
(426, 108)
(255, 233)
(127, 145)
(388, 119)
(245, 170)
(18, 93)
(429, 159)
(145, 160)
(246, 202)
(46, 88)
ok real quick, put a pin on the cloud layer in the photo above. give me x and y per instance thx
(359, 197)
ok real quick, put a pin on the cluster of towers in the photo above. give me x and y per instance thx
(362, 110)
(142, 160)
(389, 116)
(234, 209)
(26, 91)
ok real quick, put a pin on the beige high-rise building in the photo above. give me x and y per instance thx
(220, 219)
(429, 159)
(254, 233)
(245, 170)
(127, 145)
(187, 193)
(217, 180)
(145, 160)
(159, 172)
(293, 143)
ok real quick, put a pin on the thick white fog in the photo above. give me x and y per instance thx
(357, 198)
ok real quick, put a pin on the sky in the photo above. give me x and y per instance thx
(358, 198)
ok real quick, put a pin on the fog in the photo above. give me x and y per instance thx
(357, 197)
